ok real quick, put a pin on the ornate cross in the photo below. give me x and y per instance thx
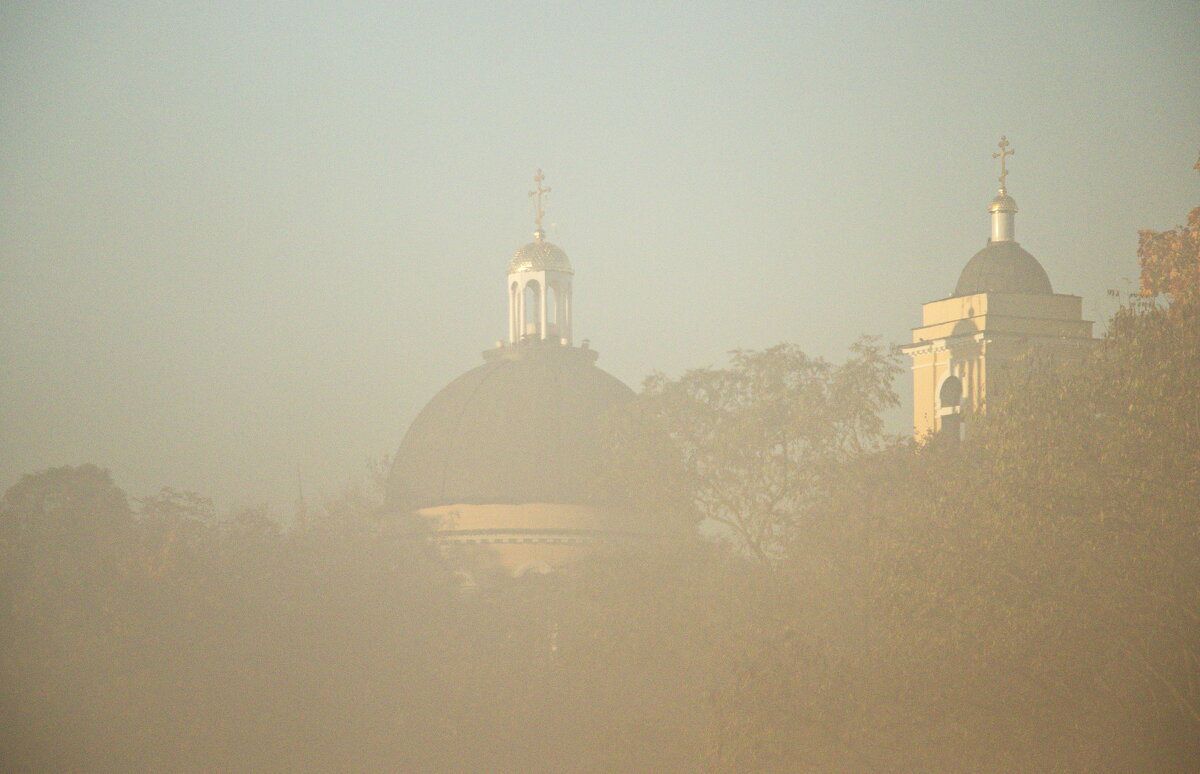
(540, 192)
(1002, 154)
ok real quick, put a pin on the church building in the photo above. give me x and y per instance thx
(501, 462)
(1002, 310)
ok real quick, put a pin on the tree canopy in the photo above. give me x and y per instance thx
(746, 446)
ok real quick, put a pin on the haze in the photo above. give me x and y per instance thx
(244, 245)
(241, 240)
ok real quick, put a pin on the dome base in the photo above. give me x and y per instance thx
(540, 348)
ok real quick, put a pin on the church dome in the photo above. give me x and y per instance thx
(1003, 267)
(1002, 202)
(522, 428)
(540, 255)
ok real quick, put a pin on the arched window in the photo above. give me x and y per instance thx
(950, 395)
(532, 304)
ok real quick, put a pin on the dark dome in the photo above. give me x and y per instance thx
(520, 428)
(1003, 267)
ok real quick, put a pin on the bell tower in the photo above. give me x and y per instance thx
(1002, 310)
(539, 285)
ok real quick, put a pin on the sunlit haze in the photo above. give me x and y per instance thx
(242, 244)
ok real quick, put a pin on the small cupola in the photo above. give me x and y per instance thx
(539, 285)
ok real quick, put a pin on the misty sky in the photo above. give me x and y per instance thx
(243, 239)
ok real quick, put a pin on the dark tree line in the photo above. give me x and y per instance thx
(1026, 600)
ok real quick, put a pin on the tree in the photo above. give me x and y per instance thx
(1170, 261)
(64, 536)
(746, 446)
(171, 639)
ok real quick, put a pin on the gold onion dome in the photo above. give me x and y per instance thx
(1003, 203)
(540, 255)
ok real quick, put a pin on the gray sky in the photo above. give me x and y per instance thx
(239, 239)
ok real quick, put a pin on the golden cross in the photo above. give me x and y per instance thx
(1002, 154)
(540, 192)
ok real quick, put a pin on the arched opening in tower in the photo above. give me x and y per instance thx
(532, 305)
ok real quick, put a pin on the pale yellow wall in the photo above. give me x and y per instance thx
(965, 334)
(469, 516)
(510, 538)
(1058, 306)
(929, 369)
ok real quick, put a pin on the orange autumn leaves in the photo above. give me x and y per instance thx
(1170, 261)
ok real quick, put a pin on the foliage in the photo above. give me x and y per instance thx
(208, 644)
(746, 446)
(1026, 600)
(1170, 262)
